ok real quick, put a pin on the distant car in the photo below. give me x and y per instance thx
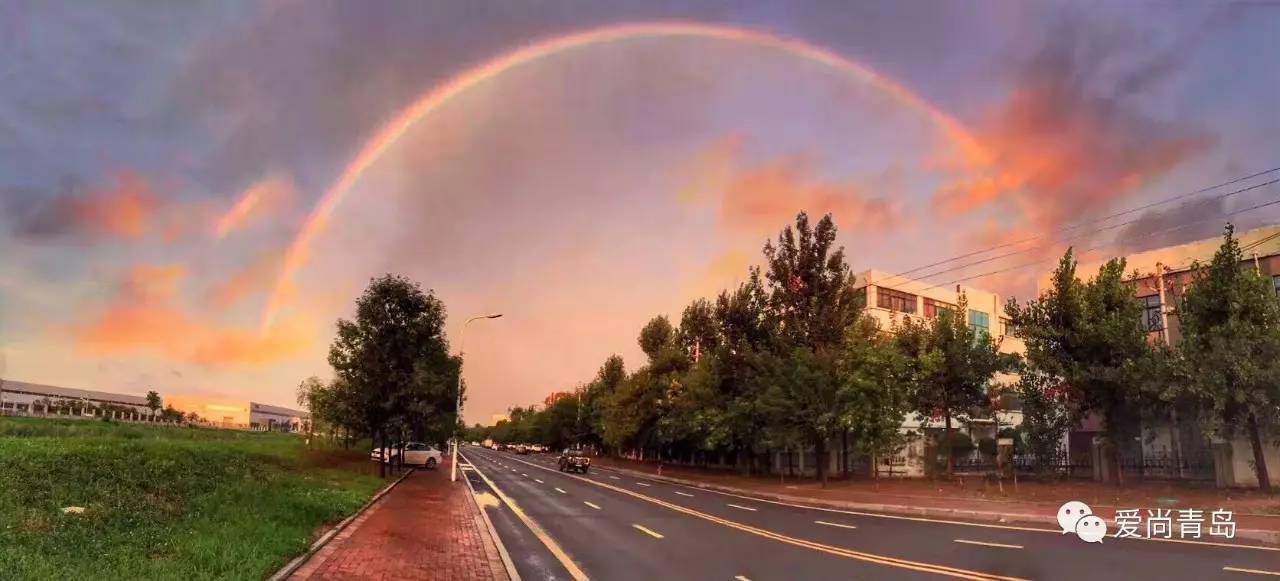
(522, 449)
(415, 454)
(573, 460)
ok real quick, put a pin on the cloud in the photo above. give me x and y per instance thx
(124, 208)
(257, 201)
(761, 198)
(146, 317)
(259, 276)
(1189, 221)
(1071, 140)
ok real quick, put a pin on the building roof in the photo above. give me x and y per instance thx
(275, 409)
(71, 393)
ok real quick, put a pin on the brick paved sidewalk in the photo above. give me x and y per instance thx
(425, 528)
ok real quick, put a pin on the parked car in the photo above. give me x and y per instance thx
(522, 449)
(573, 460)
(415, 454)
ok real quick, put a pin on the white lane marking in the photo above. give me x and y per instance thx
(538, 481)
(741, 578)
(682, 493)
(643, 484)
(1251, 571)
(569, 566)
(743, 507)
(647, 531)
(834, 524)
(977, 524)
(514, 470)
(591, 504)
(524, 475)
(997, 545)
(614, 477)
(561, 490)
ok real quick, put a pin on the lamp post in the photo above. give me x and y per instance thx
(462, 341)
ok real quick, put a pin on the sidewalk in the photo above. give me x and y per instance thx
(1257, 516)
(425, 528)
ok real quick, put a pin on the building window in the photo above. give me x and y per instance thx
(1275, 283)
(932, 307)
(1151, 313)
(895, 300)
(980, 322)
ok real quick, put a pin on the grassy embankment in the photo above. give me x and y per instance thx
(164, 502)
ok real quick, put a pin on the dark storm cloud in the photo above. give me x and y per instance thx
(1197, 219)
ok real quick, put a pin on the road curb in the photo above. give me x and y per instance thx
(1261, 536)
(297, 563)
(510, 566)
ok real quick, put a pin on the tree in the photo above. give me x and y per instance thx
(958, 364)
(812, 301)
(394, 357)
(1230, 323)
(1087, 337)
(153, 402)
(598, 393)
(876, 378)
(1046, 417)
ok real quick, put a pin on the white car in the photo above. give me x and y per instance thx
(415, 454)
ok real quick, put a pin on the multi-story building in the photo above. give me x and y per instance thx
(1160, 277)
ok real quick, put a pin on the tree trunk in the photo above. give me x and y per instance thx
(1259, 458)
(820, 451)
(380, 442)
(844, 453)
(951, 453)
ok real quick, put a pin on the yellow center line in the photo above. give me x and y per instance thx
(829, 549)
(538, 532)
(647, 531)
(834, 524)
(1251, 571)
(985, 544)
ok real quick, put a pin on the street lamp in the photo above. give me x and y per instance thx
(462, 343)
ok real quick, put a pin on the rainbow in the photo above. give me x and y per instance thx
(296, 255)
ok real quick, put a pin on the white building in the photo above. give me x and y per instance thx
(23, 397)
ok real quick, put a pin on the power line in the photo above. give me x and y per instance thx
(1090, 232)
(1095, 247)
(1081, 224)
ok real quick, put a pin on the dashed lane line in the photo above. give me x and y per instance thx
(561, 491)
(537, 530)
(648, 531)
(739, 506)
(682, 493)
(1251, 571)
(986, 544)
(834, 524)
(643, 484)
(829, 549)
(591, 504)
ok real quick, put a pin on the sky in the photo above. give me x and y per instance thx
(581, 167)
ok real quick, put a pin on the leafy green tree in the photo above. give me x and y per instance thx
(1230, 323)
(959, 363)
(610, 375)
(394, 356)
(811, 301)
(1046, 417)
(876, 378)
(153, 402)
(1087, 336)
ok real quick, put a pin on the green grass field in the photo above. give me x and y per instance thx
(165, 502)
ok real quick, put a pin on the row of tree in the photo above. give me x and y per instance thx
(790, 360)
(394, 378)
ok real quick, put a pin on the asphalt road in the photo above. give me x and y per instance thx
(608, 525)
